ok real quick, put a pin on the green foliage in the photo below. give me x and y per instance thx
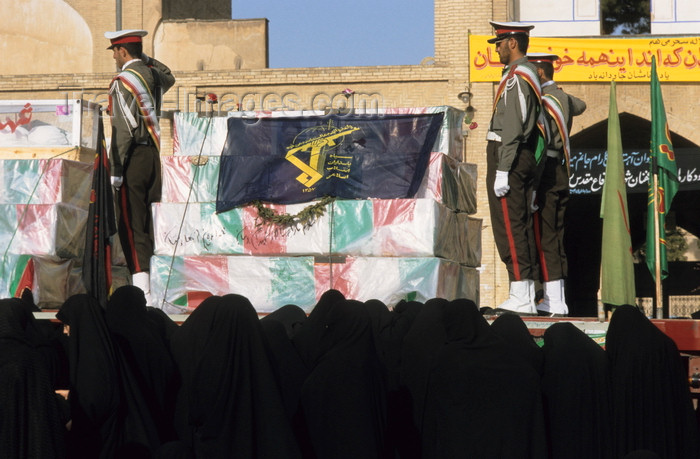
(305, 218)
(676, 246)
(625, 17)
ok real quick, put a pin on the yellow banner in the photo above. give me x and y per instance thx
(598, 59)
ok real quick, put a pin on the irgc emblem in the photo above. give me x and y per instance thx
(320, 146)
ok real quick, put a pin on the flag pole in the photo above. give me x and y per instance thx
(658, 305)
(601, 305)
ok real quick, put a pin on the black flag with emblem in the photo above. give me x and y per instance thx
(291, 160)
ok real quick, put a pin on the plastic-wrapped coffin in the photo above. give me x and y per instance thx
(52, 280)
(374, 227)
(45, 181)
(197, 135)
(196, 177)
(179, 284)
(43, 229)
(26, 271)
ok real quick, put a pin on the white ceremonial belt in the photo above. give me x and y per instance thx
(493, 136)
(553, 153)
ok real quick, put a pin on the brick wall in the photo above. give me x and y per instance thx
(392, 86)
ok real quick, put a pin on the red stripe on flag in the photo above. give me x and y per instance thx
(388, 212)
(195, 298)
(26, 280)
(261, 237)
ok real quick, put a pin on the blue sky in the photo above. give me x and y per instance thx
(332, 33)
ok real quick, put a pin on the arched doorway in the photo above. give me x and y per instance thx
(583, 224)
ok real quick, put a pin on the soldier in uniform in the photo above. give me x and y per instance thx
(553, 191)
(134, 98)
(516, 144)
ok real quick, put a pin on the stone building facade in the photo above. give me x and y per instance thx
(254, 86)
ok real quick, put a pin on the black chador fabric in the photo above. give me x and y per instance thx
(652, 408)
(402, 435)
(576, 392)
(307, 339)
(343, 398)
(291, 316)
(290, 372)
(289, 369)
(408, 310)
(164, 324)
(31, 425)
(94, 381)
(513, 330)
(420, 346)
(229, 404)
(49, 340)
(390, 329)
(147, 370)
(174, 450)
(387, 341)
(482, 401)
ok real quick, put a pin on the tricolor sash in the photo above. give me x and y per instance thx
(137, 86)
(531, 78)
(553, 107)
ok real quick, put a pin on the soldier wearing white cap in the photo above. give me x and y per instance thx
(134, 99)
(553, 191)
(516, 144)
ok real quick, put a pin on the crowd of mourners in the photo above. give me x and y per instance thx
(352, 380)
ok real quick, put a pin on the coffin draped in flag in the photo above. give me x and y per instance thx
(292, 160)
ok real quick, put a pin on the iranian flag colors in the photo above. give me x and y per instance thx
(372, 227)
(179, 284)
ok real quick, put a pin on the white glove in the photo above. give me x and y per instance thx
(117, 181)
(533, 203)
(500, 186)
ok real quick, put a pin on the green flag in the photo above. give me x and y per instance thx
(616, 264)
(662, 162)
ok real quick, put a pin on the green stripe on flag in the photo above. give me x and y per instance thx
(351, 223)
(17, 267)
(232, 221)
(292, 281)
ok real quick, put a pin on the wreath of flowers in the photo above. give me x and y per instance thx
(304, 218)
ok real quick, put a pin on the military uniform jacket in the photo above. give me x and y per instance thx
(130, 116)
(570, 106)
(515, 113)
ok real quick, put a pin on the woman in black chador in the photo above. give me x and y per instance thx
(419, 349)
(652, 408)
(31, 422)
(94, 380)
(482, 400)
(343, 398)
(229, 404)
(513, 330)
(148, 372)
(576, 390)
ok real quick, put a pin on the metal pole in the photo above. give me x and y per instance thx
(118, 7)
